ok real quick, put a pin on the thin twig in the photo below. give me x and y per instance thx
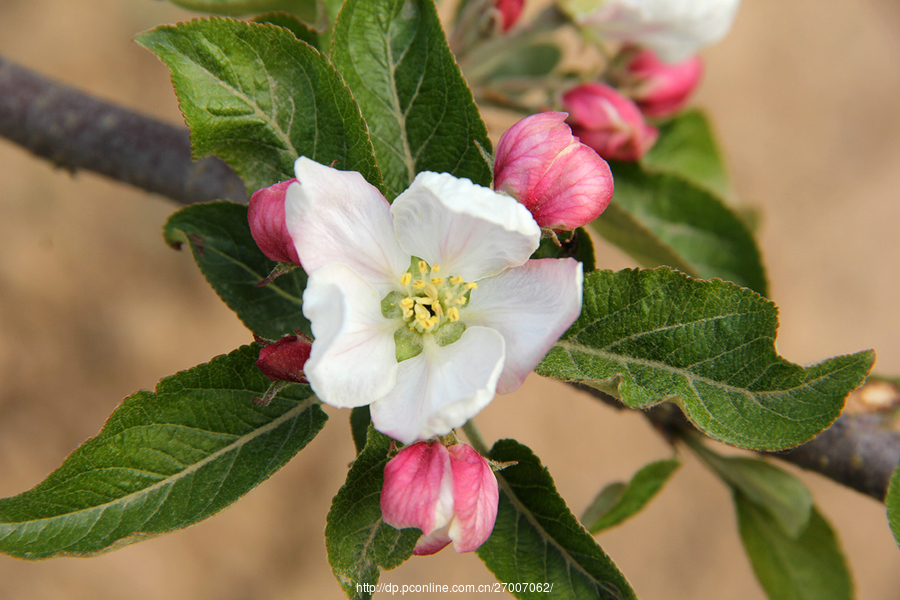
(76, 131)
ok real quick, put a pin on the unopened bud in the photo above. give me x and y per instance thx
(564, 183)
(608, 122)
(284, 360)
(267, 224)
(660, 89)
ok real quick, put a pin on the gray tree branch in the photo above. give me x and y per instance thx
(76, 131)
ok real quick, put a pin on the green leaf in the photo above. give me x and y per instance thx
(301, 30)
(163, 461)
(686, 146)
(360, 419)
(359, 543)
(532, 60)
(893, 504)
(783, 496)
(219, 237)
(311, 11)
(618, 502)
(649, 336)
(421, 113)
(708, 238)
(577, 245)
(538, 540)
(258, 98)
(808, 567)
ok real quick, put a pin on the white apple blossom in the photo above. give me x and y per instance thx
(674, 29)
(426, 308)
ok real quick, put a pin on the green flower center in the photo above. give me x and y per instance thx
(429, 305)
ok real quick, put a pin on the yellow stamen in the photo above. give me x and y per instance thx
(472, 286)
(418, 284)
(437, 280)
(431, 291)
(453, 314)
(438, 309)
(406, 303)
(456, 280)
(436, 268)
(424, 300)
(423, 267)
(406, 279)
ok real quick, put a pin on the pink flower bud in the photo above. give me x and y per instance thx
(451, 494)
(608, 122)
(266, 216)
(510, 10)
(564, 183)
(661, 89)
(284, 360)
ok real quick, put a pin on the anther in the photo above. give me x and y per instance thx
(406, 279)
(456, 280)
(418, 284)
(436, 268)
(437, 280)
(472, 286)
(423, 267)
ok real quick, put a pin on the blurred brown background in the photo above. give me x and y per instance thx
(93, 306)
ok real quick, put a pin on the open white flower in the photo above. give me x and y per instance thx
(426, 308)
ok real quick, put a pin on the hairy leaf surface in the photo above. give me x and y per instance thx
(655, 335)
(421, 113)
(219, 238)
(163, 461)
(537, 539)
(258, 98)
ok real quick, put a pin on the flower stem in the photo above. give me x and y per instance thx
(475, 438)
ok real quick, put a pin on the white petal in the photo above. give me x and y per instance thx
(353, 359)
(531, 306)
(338, 217)
(441, 388)
(471, 231)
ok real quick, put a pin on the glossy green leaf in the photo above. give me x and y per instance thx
(311, 11)
(259, 98)
(779, 493)
(618, 501)
(655, 335)
(421, 113)
(810, 566)
(893, 504)
(686, 146)
(219, 238)
(708, 238)
(360, 545)
(163, 461)
(536, 538)
(302, 31)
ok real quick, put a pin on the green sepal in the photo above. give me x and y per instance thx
(572, 244)
(656, 335)
(421, 113)
(360, 545)
(164, 460)
(893, 504)
(257, 97)
(218, 235)
(537, 539)
(618, 502)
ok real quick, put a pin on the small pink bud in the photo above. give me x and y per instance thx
(267, 225)
(608, 122)
(451, 494)
(563, 182)
(510, 10)
(661, 89)
(284, 360)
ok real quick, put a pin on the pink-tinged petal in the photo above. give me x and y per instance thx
(430, 544)
(338, 217)
(661, 89)
(469, 230)
(267, 226)
(418, 488)
(608, 122)
(564, 183)
(284, 360)
(475, 498)
(510, 10)
(441, 388)
(531, 306)
(353, 360)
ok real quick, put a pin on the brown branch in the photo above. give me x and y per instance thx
(76, 131)
(860, 450)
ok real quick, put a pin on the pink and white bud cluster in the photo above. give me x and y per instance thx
(451, 494)
(564, 183)
(267, 225)
(660, 89)
(608, 122)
